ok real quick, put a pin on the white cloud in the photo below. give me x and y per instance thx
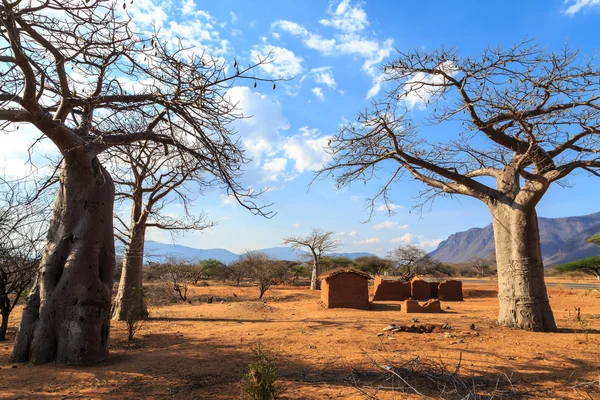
(234, 17)
(369, 241)
(405, 239)
(307, 151)
(385, 225)
(390, 207)
(353, 233)
(350, 38)
(419, 241)
(317, 91)
(419, 90)
(347, 18)
(227, 200)
(405, 226)
(16, 145)
(196, 30)
(322, 76)
(296, 225)
(188, 6)
(578, 5)
(274, 168)
(284, 65)
(341, 233)
(263, 136)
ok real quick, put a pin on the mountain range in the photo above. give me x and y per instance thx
(156, 251)
(562, 240)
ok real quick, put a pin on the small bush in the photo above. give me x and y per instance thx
(259, 382)
(137, 314)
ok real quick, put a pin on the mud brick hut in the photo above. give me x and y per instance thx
(420, 289)
(345, 288)
(390, 289)
(450, 290)
(413, 306)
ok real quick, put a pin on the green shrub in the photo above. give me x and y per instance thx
(259, 382)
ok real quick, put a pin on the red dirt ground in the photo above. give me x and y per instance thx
(200, 350)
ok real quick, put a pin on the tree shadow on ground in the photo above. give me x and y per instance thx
(169, 365)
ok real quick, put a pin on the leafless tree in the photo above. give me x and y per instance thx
(150, 179)
(22, 229)
(261, 268)
(180, 274)
(77, 72)
(410, 261)
(318, 242)
(522, 118)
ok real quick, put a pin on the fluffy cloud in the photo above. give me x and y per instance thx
(419, 241)
(317, 91)
(388, 207)
(275, 155)
(285, 64)
(353, 233)
(196, 30)
(347, 18)
(369, 241)
(321, 75)
(22, 153)
(274, 168)
(419, 90)
(307, 150)
(578, 5)
(261, 133)
(385, 225)
(188, 6)
(350, 37)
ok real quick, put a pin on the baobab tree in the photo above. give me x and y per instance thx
(522, 118)
(317, 242)
(74, 70)
(149, 179)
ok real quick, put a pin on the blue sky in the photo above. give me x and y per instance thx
(332, 51)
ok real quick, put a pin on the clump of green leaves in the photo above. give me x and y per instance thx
(259, 382)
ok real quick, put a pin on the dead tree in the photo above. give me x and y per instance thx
(519, 117)
(149, 179)
(66, 69)
(318, 242)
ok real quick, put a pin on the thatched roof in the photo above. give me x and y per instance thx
(337, 271)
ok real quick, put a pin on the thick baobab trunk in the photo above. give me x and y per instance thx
(522, 293)
(67, 316)
(130, 297)
(315, 284)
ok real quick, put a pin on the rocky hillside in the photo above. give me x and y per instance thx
(562, 239)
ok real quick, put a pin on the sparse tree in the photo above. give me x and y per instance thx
(590, 265)
(149, 179)
(180, 275)
(373, 265)
(236, 271)
(318, 242)
(261, 268)
(65, 70)
(522, 118)
(23, 224)
(410, 261)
